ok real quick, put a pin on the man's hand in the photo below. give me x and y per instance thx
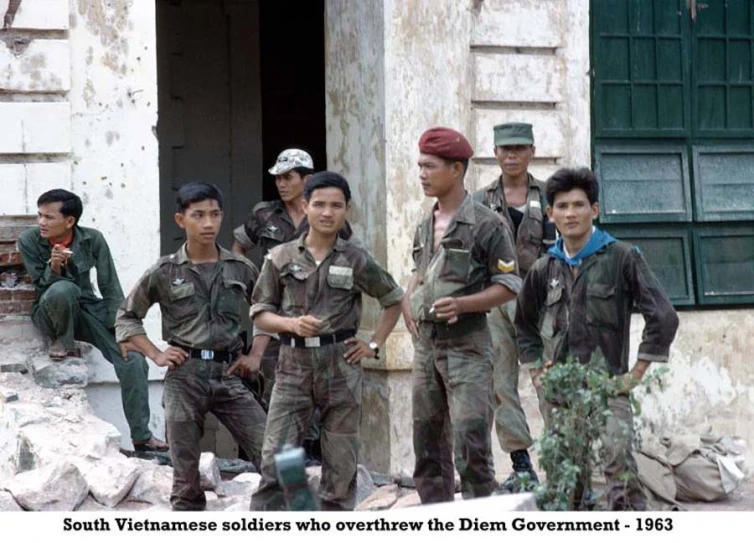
(305, 326)
(359, 349)
(538, 373)
(172, 357)
(59, 257)
(625, 383)
(447, 309)
(408, 318)
(126, 346)
(245, 366)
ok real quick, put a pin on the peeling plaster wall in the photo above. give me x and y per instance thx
(78, 107)
(531, 64)
(711, 378)
(114, 115)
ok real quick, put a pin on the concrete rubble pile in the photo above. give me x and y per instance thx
(56, 455)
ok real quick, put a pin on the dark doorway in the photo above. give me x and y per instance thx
(238, 81)
(293, 81)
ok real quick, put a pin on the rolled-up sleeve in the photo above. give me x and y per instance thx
(129, 320)
(373, 280)
(266, 295)
(501, 256)
(241, 237)
(660, 319)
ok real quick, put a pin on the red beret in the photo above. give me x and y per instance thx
(445, 143)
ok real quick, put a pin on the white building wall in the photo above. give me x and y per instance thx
(78, 110)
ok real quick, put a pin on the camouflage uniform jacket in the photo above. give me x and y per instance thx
(536, 233)
(269, 225)
(475, 252)
(192, 315)
(90, 250)
(292, 285)
(591, 312)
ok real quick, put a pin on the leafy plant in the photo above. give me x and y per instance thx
(569, 449)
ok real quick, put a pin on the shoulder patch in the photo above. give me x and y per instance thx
(506, 267)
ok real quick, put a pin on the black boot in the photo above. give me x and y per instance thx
(523, 478)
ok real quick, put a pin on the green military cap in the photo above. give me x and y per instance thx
(514, 134)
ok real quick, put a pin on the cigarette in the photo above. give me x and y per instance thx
(432, 310)
(67, 252)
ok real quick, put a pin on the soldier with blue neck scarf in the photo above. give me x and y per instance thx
(587, 286)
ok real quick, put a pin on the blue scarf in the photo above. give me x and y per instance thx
(598, 240)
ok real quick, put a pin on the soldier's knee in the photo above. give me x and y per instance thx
(61, 292)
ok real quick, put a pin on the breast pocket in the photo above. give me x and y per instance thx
(456, 265)
(182, 303)
(601, 308)
(232, 300)
(293, 285)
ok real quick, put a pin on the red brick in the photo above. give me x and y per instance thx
(15, 308)
(11, 226)
(6, 294)
(23, 294)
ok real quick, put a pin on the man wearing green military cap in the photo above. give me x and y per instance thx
(519, 199)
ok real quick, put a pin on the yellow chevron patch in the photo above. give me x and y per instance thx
(506, 267)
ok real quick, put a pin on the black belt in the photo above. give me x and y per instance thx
(208, 354)
(316, 341)
(466, 325)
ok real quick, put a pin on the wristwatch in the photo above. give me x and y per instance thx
(376, 348)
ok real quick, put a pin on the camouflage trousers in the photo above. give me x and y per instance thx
(510, 421)
(192, 390)
(451, 381)
(60, 315)
(309, 378)
(624, 491)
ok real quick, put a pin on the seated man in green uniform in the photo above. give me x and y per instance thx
(59, 256)
(586, 286)
(203, 291)
(310, 292)
(465, 265)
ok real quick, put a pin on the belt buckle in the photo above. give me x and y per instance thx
(207, 354)
(312, 342)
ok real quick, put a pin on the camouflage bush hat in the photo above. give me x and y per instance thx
(292, 158)
(514, 134)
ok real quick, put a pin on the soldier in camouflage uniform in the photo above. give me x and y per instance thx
(586, 287)
(270, 224)
(519, 199)
(464, 266)
(59, 256)
(202, 290)
(310, 292)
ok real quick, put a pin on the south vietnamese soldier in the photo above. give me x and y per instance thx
(519, 199)
(465, 264)
(310, 292)
(59, 255)
(587, 286)
(202, 291)
(269, 225)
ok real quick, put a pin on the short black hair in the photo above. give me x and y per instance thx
(303, 171)
(567, 179)
(323, 180)
(71, 205)
(465, 163)
(193, 192)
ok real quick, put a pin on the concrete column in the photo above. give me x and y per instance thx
(394, 69)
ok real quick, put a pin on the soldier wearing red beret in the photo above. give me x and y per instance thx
(465, 265)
